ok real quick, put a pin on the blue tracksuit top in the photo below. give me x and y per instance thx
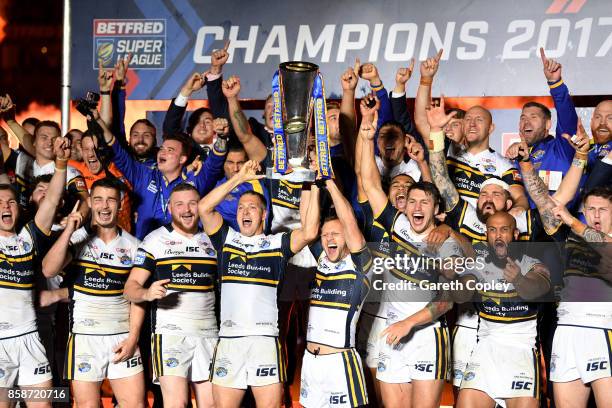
(152, 190)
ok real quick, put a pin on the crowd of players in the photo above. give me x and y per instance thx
(182, 266)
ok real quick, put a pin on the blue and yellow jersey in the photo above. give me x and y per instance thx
(468, 171)
(337, 294)
(285, 205)
(500, 308)
(20, 255)
(191, 265)
(96, 276)
(250, 271)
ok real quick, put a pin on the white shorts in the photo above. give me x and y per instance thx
(251, 360)
(90, 358)
(332, 380)
(423, 355)
(189, 357)
(464, 341)
(368, 335)
(583, 353)
(503, 369)
(23, 361)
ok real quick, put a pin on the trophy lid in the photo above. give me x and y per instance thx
(299, 66)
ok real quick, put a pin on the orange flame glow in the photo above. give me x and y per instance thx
(2, 25)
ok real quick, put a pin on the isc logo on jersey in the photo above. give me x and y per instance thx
(427, 368)
(338, 399)
(265, 371)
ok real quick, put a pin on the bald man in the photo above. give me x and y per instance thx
(504, 363)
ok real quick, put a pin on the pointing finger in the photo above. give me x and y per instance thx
(226, 46)
(357, 66)
(411, 67)
(543, 55)
(76, 206)
(439, 55)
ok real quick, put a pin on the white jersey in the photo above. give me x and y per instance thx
(251, 269)
(19, 255)
(336, 297)
(586, 294)
(410, 168)
(501, 310)
(188, 309)
(468, 171)
(406, 297)
(97, 274)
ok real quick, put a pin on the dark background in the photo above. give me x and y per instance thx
(31, 51)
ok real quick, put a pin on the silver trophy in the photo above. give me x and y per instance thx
(297, 79)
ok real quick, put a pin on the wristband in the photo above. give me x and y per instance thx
(104, 92)
(376, 87)
(555, 84)
(426, 81)
(436, 141)
(580, 163)
(306, 186)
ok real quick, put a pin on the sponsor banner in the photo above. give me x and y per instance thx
(117, 38)
(490, 47)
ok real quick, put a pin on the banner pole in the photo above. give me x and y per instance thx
(66, 54)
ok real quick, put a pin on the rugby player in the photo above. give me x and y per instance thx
(413, 359)
(104, 327)
(581, 355)
(471, 160)
(252, 267)
(182, 263)
(504, 365)
(22, 356)
(331, 369)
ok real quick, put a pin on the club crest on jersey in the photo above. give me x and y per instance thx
(381, 367)
(538, 154)
(152, 187)
(489, 168)
(469, 376)
(340, 264)
(140, 257)
(125, 260)
(27, 246)
(458, 374)
(84, 367)
(264, 244)
(171, 362)
(221, 372)
(210, 252)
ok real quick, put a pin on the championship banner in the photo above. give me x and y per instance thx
(490, 46)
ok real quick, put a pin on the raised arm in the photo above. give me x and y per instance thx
(59, 256)
(46, 211)
(4, 179)
(368, 106)
(428, 70)
(437, 119)
(416, 152)
(254, 147)
(566, 111)
(118, 96)
(105, 79)
(348, 116)
(178, 106)
(370, 176)
(353, 236)
(7, 109)
(211, 219)
(310, 227)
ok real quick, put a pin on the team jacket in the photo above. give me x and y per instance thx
(153, 190)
